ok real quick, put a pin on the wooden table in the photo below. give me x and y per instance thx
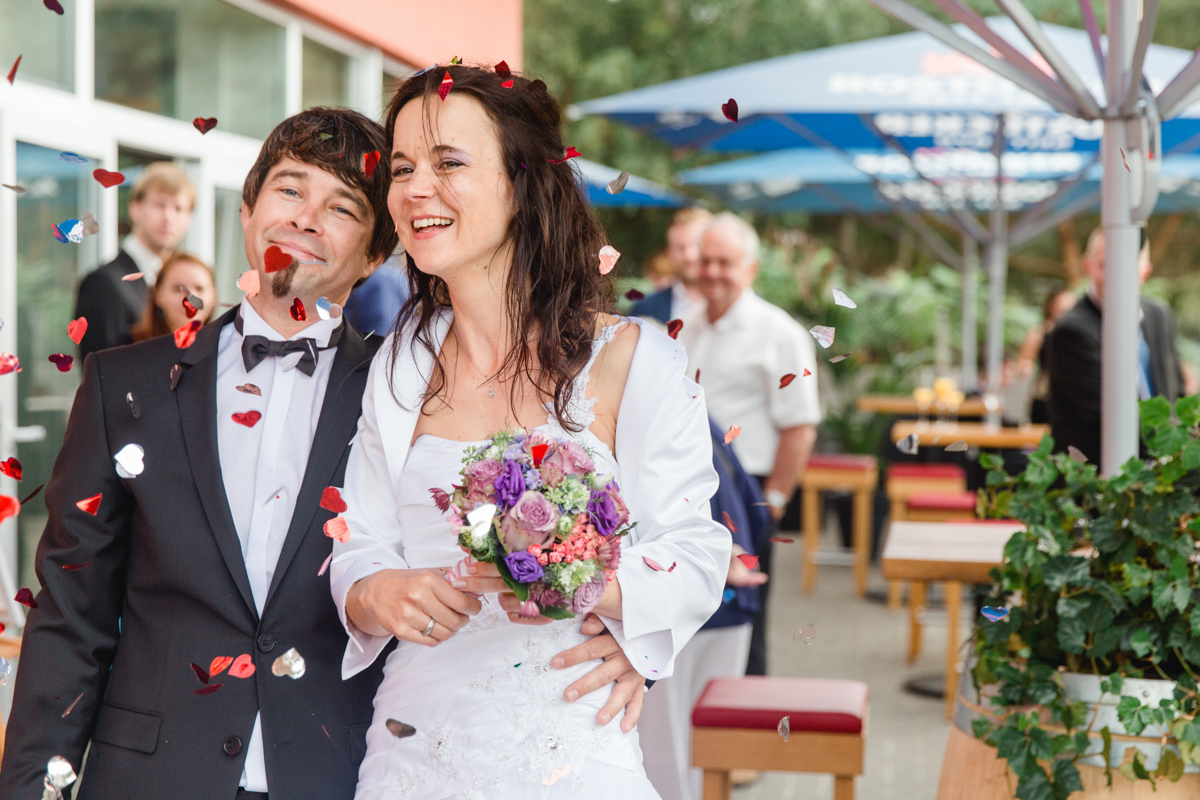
(952, 552)
(904, 405)
(975, 434)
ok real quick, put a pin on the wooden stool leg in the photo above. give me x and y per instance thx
(953, 591)
(896, 588)
(916, 607)
(716, 785)
(812, 534)
(843, 787)
(862, 539)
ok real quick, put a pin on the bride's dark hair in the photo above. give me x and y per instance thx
(554, 285)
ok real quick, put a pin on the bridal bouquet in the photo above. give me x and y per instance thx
(534, 506)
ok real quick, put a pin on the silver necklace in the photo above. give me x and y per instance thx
(491, 382)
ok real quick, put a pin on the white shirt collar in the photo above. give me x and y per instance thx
(255, 325)
(733, 315)
(147, 261)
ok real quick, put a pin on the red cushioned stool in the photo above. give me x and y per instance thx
(735, 726)
(906, 480)
(858, 474)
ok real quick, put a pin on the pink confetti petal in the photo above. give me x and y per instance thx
(608, 258)
(325, 565)
(734, 432)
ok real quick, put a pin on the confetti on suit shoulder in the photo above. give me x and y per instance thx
(823, 335)
(401, 730)
(617, 184)
(76, 329)
(608, 258)
(242, 667)
(133, 276)
(445, 86)
(730, 110)
(289, 665)
(176, 374)
(555, 774)
(89, 505)
(840, 298)
(674, 327)
(12, 73)
(25, 597)
(734, 432)
(909, 445)
(12, 468)
(1075, 454)
(337, 528)
(729, 522)
(957, 447)
(786, 380)
(204, 124)
(748, 560)
(370, 162)
(250, 388)
(9, 507)
(331, 500)
(784, 728)
(186, 334)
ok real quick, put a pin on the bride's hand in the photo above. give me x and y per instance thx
(403, 601)
(485, 579)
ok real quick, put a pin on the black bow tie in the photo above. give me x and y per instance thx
(256, 348)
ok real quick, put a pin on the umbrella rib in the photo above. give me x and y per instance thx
(1134, 90)
(1029, 26)
(1176, 93)
(1066, 186)
(1089, 21)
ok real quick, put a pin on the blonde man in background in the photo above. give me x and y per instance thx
(160, 211)
(683, 252)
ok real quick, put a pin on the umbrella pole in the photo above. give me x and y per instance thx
(997, 277)
(970, 293)
(1119, 418)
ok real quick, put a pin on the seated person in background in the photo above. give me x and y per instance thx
(160, 211)
(181, 275)
(683, 252)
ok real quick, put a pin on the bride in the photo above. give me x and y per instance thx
(507, 327)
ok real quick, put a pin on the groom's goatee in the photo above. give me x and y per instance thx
(281, 283)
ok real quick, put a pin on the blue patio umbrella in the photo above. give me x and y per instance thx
(638, 192)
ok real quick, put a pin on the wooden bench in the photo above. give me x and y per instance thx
(735, 726)
(855, 473)
(932, 507)
(906, 480)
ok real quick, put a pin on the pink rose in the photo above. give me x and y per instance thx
(552, 474)
(532, 520)
(571, 458)
(622, 509)
(483, 472)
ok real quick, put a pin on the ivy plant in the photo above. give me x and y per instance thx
(1103, 580)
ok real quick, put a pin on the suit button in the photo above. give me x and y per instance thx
(266, 642)
(233, 745)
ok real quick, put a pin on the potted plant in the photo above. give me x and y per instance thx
(1097, 659)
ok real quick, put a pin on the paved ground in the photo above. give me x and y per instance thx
(862, 640)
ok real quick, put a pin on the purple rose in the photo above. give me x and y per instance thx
(523, 566)
(588, 596)
(483, 472)
(603, 513)
(510, 483)
(622, 510)
(532, 520)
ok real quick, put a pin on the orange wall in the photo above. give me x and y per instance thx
(422, 32)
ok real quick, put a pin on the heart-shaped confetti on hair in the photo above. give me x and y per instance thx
(733, 432)
(634, 295)
(608, 258)
(242, 667)
(12, 468)
(337, 528)
(617, 184)
(185, 335)
(54, 6)
(62, 361)
(446, 85)
(571, 153)
(188, 308)
(275, 260)
(108, 179)
(203, 124)
(786, 380)
(331, 500)
(297, 310)
(250, 388)
(909, 445)
(994, 613)
(9, 507)
(76, 329)
(90, 505)
(750, 561)
(219, 665)
(9, 363)
(212, 687)
(12, 73)
(201, 673)
(247, 418)
(25, 598)
(957, 447)
(133, 276)
(401, 730)
(730, 110)
(823, 335)
(508, 84)
(249, 282)
(729, 522)
(674, 327)
(370, 162)
(502, 69)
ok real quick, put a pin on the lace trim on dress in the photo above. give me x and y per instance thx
(579, 406)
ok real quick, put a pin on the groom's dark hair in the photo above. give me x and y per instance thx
(336, 140)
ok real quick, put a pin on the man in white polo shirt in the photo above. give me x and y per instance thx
(743, 347)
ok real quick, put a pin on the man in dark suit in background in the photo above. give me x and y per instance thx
(160, 211)
(683, 251)
(186, 515)
(1073, 356)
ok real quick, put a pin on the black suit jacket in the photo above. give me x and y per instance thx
(160, 582)
(656, 306)
(112, 306)
(1073, 365)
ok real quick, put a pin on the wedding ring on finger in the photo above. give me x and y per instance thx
(429, 627)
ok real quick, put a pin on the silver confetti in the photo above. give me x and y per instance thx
(400, 729)
(840, 298)
(290, 664)
(129, 461)
(59, 773)
(90, 226)
(836, 359)
(1075, 454)
(617, 184)
(196, 302)
(328, 310)
(5, 671)
(909, 444)
(134, 408)
(958, 447)
(823, 335)
(785, 727)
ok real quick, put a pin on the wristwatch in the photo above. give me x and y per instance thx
(776, 498)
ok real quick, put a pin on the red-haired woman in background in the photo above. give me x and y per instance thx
(182, 274)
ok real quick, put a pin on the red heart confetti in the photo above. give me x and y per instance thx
(201, 673)
(12, 73)
(212, 687)
(218, 665)
(247, 418)
(72, 567)
(634, 295)
(674, 327)
(189, 309)
(331, 500)
(539, 452)
(441, 499)
(12, 468)
(62, 361)
(750, 561)
(76, 329)
(807, 372)
(25, 598)
(502, 69)
(297, 310)
(783, 539)
(204, 125)
(54, 6)
(730, 110)
(242, 667)
(446, 85)
(370, 162)
(185, 335)
(508, 84)
(571, 153)
(9, 363)
(729, 522)
(90, 505)
(9, 507)
(29, 496)
(108, 179)
(275, 259)
(337, 528)
(787, 379)
(733, 432)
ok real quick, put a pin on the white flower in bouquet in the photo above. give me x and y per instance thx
(480, 522)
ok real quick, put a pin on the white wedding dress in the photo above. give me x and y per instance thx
(487, 706)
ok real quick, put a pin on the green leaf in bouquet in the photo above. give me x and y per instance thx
(557, 613)
(521, 590)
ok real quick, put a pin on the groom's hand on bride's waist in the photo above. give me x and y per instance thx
(628, 691)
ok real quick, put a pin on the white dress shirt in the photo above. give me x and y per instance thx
(263, 465)
(741, 358)
(682, 303)
(148, 262)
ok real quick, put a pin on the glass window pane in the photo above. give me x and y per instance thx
(193, 58)
(43, 39)
(230, 260)
(326, 76)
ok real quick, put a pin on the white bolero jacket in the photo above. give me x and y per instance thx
(663, 449)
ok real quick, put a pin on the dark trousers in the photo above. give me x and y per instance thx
(242, 794)
(756, 663)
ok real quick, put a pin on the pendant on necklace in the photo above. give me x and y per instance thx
(491, 389)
